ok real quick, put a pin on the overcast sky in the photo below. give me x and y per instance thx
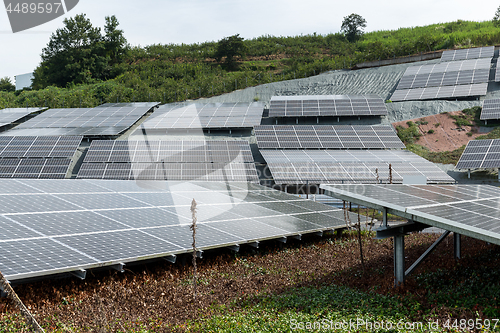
(192, 21)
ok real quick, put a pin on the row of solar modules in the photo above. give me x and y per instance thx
(443, 79)
(463, 54)
(36, 157)
(466, 90)
(73, 225)
(170, 160)
(219, 172)
(34, 168)
(451, 79)
(41, 146)
(327, 136)
(469, 210)
(11, 115)
(491, 109)
(98, 121)
(446, 67)
(480, 154)
(181, 151)
(326, 105)
(337, 166)
(208, 115)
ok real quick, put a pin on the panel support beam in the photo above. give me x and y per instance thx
(254, 244)
(399, 259)
(235, 248)
(457, 246)
(426, 253)
(297, 237)
(81, 274)
(281, 239)
(171, 259)
(118, 267)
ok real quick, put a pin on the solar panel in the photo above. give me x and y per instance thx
(130, 105)
(11, 115)
(497, 71)
(474, 53)
(326, 105)
(345, 166)
(444, 79)
(327, 137)
(491, 109)
(480, 154)
(466, 90)
(83, 224)
(81, 121)
(170, 160)
(208, 115)
(36, 157)
(470, 210)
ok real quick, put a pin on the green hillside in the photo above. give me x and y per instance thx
(169, 73)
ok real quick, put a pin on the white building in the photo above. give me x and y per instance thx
(23, 81)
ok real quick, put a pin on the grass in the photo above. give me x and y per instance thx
(443, 157)
(315, 309)
(172, 72)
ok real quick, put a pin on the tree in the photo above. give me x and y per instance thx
(79, 53)
(352, 26)
(496, 18)
(115, 42)
(6, 84)
(230, 47)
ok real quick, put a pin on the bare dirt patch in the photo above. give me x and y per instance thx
(445, 134)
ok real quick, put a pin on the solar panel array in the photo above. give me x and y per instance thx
(36, 157)
(491, 109)
(327, 136)
(81, 121)
(71, 225)
(465, 90)
(444, 80)
(348, 166)
(480, 154)
(11, 115)
(470, 210)
(463, 54)
(209, 115)
(129, 105)
(170, 160)
(326, 105)
(497, 71)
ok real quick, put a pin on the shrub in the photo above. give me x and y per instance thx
(430, 131)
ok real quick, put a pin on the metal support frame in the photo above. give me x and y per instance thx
(235, 248)
(254, 244)
(297, 237)
(118, 267)
(399, 259)
(457, 246)
(281, 239)
(426, 253)
(171, 259)
(81, 274)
